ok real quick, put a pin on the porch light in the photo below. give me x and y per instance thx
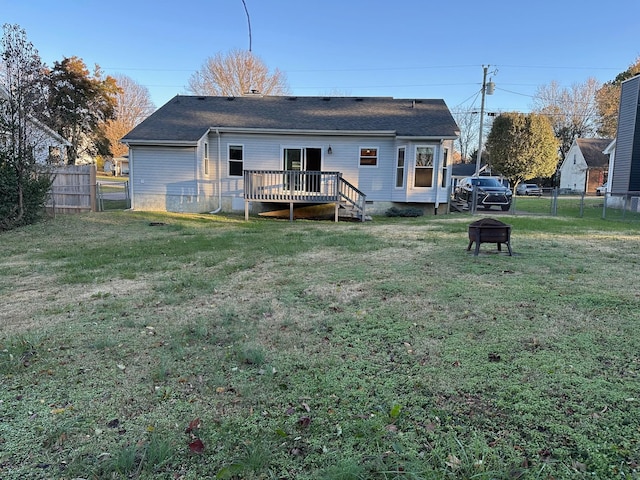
(329, 151)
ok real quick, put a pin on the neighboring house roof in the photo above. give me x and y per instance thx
(592, 150)
(610, 148)
(188, 118)
(465, 169)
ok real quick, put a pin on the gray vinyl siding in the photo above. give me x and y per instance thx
(627, 156)
(264, 152)
(168, 179)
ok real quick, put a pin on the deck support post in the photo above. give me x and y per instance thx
(246, 210)
(337, 208)
(291, 211)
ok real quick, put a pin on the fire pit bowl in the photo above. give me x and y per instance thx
(489, 230)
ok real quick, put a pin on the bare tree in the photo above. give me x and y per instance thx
(133, 105)
(572, 111)
(468, 120)
(237, 73)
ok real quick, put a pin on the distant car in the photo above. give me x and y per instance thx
(490, 191)
(528, 189)
(601, 190)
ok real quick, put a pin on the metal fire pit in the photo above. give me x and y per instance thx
(489, 230)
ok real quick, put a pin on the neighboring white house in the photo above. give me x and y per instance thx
(585, 166)
(610, 151)
(48, 146)
(200, 154)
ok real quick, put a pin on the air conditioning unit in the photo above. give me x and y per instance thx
(635, 204)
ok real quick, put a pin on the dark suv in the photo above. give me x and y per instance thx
(490, 191)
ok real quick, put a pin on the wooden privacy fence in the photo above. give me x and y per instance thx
(73, 189)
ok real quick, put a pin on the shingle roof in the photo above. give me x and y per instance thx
(592, 149)
(188, 118)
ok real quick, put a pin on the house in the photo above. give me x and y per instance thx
(117, 166)
(48, 146)
(625, 176)
(585, 166)
(610, 151)
(463, 170)
(202, 154)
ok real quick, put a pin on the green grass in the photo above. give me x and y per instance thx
(315, 350)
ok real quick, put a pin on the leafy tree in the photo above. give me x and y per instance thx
(133, 105)
(24, 184)
(571, 111)
(235, 74)
(608, 101)
(79, 106)
(522, 146)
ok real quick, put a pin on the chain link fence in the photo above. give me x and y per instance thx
(557, 203)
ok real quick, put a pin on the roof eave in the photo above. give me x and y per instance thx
(163, 143)
(300, 131)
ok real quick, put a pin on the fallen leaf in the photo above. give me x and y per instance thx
(453, 462)
(196, 446)
(194, 425)
(304, 422)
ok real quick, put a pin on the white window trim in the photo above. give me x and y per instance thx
(404, 169)
(205, 158)
(369, 147)
(434, 167)
(444, 168)
(234, 144)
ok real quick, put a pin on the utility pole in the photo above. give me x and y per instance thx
(488, 90)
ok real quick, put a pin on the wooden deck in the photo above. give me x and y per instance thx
(295, 187)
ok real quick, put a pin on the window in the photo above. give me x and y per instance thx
(236, 160)
(424, 167)
(206, 159)
(574, 158)
(368, 157)
(55, 155)
(445, 166)
(400, 168)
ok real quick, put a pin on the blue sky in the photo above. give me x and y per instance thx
(401, 48)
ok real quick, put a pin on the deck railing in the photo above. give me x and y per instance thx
(296, 186)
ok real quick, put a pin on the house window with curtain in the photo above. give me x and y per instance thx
(424, 166)
(400, 168)
(445, 166)
(236, 160)
(369, 157)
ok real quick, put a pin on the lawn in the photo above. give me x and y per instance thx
(138, 345)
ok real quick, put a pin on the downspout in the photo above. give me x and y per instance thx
(219, 171)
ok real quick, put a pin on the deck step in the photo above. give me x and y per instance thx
(349, 212)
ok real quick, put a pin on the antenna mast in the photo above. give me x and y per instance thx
(248, 22)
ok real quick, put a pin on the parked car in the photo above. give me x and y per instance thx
(601, 190)
(489, 190)
(528, 189)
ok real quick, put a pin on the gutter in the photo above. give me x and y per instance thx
(287, 131)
